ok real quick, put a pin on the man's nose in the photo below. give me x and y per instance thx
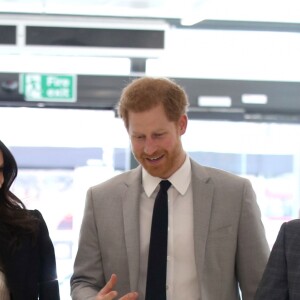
(150, 146)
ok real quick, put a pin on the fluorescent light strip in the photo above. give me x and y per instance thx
(214, 101)
(65, 64)
(254, 99)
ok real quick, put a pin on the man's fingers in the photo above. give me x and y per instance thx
(110, 296)
(109, 285)
(107, 292)
(130, 296)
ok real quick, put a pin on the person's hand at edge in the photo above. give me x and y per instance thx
(107, 292)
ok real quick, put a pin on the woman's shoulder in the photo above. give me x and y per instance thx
(37, 216)
(35, 213)
(293, 224)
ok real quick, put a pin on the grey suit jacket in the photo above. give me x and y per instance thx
(281, 279)
(230, 245)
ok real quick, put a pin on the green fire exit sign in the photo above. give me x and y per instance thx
(48, 87)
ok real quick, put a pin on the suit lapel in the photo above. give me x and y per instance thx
(131, 213)
(202, 201)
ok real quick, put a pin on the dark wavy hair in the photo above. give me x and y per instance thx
(15, 219)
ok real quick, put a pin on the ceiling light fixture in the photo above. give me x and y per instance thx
(214, 101)
(254, 99)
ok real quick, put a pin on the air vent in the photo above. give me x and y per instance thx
(7, 35)
(95, 37)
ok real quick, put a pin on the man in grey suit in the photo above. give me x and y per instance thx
(216, 245)
(281, 279)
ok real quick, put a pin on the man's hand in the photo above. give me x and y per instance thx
(107, 292)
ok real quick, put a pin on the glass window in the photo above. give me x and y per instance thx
(265, 153)
(61, 153)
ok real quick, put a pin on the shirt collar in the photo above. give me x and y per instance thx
(180, 179)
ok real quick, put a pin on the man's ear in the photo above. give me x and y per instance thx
(183, 123)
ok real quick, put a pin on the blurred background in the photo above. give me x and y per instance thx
(63, 65)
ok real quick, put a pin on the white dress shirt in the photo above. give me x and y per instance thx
(182, 281)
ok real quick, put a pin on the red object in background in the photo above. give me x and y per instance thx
(66, 223)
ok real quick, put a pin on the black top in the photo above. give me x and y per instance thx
(31, 270)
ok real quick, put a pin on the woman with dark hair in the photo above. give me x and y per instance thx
(27, 258)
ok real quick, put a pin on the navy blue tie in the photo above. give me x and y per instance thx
(157, 260)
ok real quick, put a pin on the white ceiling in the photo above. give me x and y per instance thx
(271, 55)
(187, 10)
